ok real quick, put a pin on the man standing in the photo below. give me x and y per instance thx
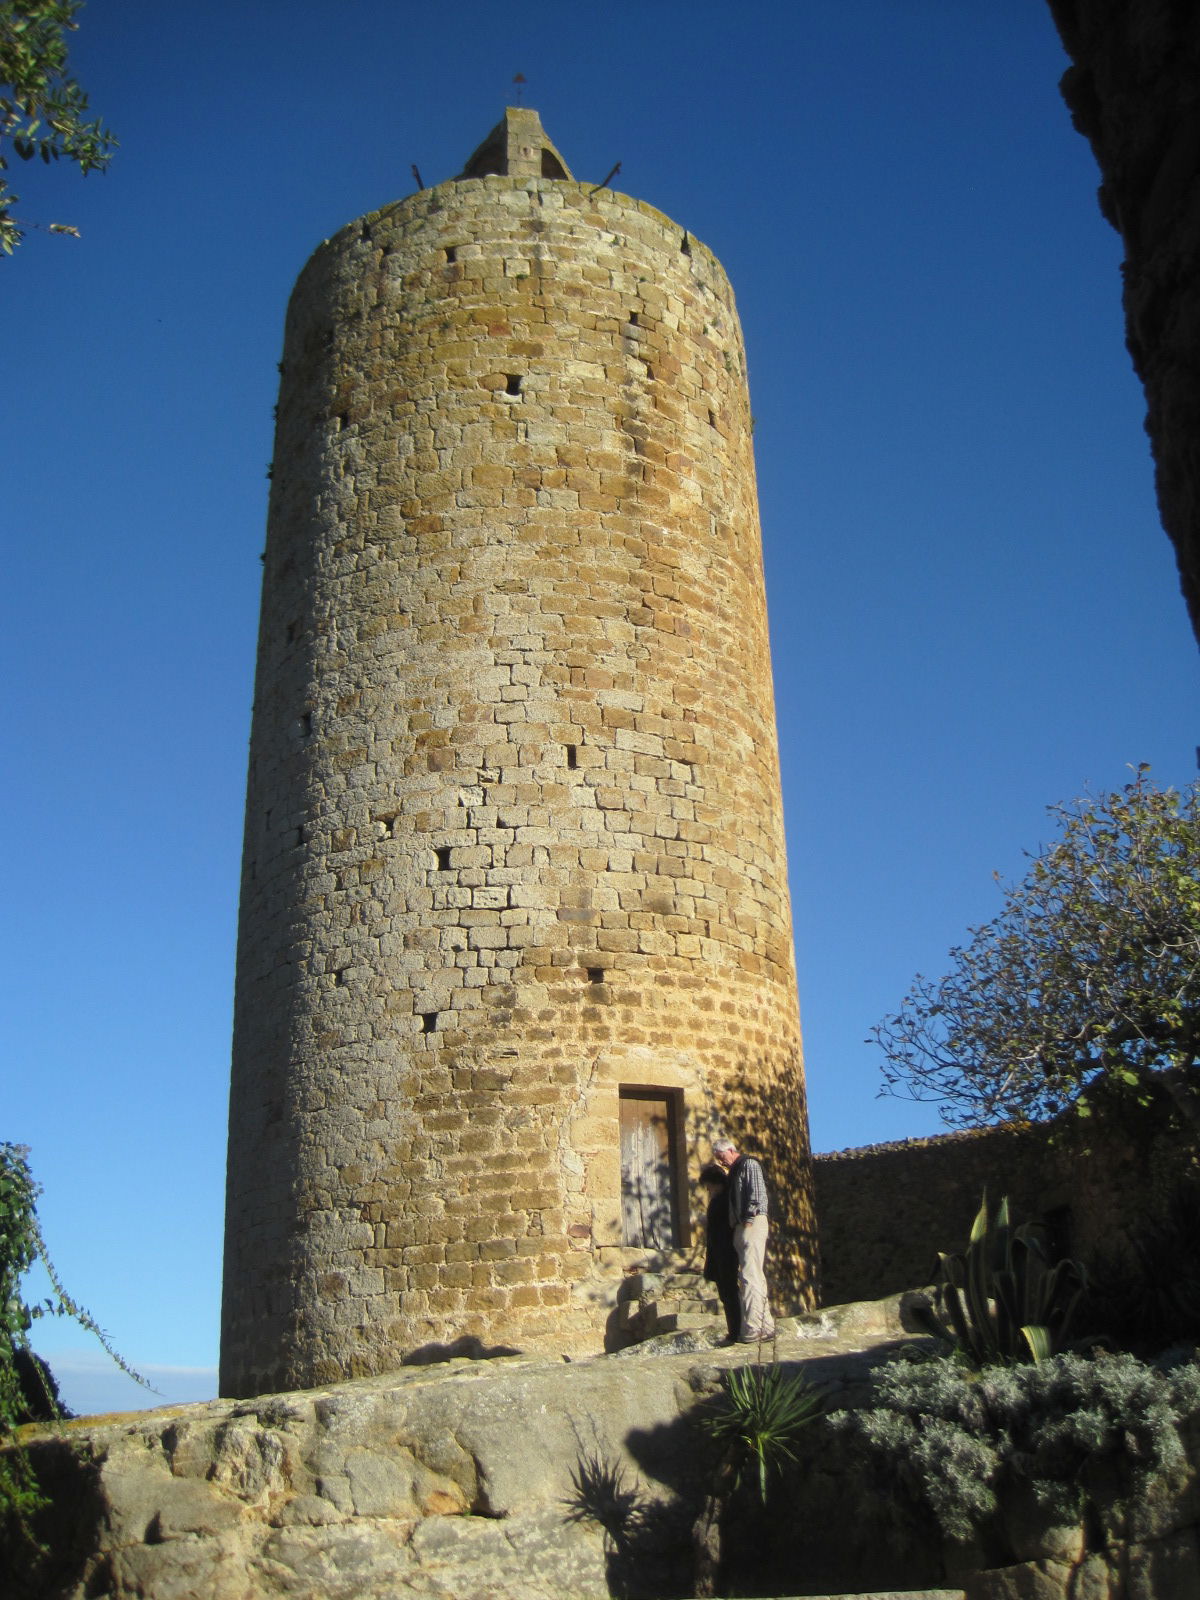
(748, 1216)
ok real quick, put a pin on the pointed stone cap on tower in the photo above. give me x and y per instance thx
(517, 147)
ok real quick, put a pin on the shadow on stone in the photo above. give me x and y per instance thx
(645, 1538)
(52, 1556)
(467, 1348)
(825, 1528)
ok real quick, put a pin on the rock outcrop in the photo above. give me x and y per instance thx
(525, 1478)
(463, 1479)
(1132, 93)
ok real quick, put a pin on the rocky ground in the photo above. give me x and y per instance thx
(448, 1482)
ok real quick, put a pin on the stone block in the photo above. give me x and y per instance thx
(381, 1485)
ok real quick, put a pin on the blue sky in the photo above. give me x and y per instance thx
(974, 610)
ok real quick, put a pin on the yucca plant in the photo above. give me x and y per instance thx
(764, 1409)
(1002, 1299)
(755, 1423)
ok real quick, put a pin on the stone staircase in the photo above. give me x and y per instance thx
(673, 1299)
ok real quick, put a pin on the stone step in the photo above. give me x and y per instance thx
(888, 1594)
(681, 1280)
(642, 1286)
(681, 1322)
(707, 1307)
(670, 1300)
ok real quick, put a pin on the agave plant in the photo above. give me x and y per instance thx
(1002, 1299)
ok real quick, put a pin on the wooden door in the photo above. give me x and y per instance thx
(647, 1192)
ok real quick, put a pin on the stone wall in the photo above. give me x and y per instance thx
(514, 834)
(886, 1210)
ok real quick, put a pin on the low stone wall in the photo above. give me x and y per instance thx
(525, 1478)
(423, 1483)
(884, 1211)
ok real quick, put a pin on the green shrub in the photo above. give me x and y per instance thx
(27, 1389)
(954, 1441)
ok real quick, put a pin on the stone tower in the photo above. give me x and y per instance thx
(515, 939)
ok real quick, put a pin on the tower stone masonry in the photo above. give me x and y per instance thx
(515, 938)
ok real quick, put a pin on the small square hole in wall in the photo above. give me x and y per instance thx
(595, 974)
(306, 724)
(428, 1021)
(712, 418)
(633, 319)
(572, 757)
(451, 252)
(512, 383)
(443, 857)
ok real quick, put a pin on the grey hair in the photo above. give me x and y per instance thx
(723, 1144)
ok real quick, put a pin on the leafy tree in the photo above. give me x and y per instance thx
(1090, 973)
(42, 108)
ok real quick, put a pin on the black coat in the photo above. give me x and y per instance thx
(720, 1258)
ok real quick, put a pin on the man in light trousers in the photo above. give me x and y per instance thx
(748, 1208)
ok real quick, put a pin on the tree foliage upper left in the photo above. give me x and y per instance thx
(43, 110)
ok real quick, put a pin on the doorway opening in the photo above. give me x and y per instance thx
(653, 1173)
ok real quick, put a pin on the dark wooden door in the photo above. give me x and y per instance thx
(647, 1197)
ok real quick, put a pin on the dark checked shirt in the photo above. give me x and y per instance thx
(747, 1191)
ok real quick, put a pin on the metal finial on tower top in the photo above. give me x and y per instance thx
(517, 147)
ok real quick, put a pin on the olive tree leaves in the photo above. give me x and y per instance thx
(43, 110)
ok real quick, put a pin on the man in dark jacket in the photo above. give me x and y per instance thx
(748, 1207)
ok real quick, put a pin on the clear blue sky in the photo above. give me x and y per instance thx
(974, 611)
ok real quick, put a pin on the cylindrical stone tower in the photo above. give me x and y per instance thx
(515, 941)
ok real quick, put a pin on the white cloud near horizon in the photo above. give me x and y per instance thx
(91, 1383)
